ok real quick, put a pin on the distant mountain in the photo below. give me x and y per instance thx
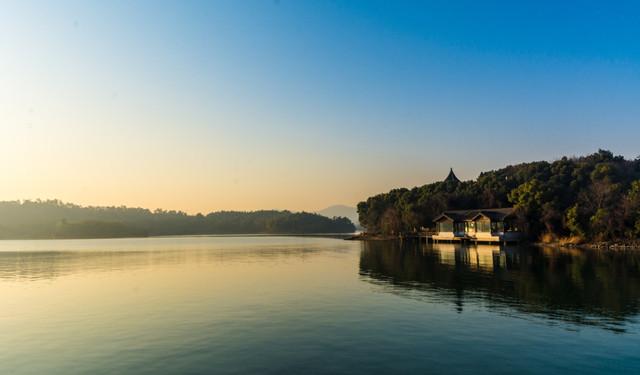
(350, 213)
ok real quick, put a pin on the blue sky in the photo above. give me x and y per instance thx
(300, 104)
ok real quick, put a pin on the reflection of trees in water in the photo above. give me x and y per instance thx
(37, 265)
(584, 287)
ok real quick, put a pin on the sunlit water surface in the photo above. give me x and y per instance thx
(313, 305)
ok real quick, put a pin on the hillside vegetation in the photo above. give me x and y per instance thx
(589, 198)
(55, 219)
(340, 210)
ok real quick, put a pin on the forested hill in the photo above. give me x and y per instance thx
(54, 219)
(595, 197)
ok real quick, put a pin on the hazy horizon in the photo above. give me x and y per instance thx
(202, 106)
(318, 211)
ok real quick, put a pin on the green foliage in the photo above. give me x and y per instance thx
(632, 209)
(528, 196)
(573, 223)
(596, 197)
(54, 219)
(599, 222)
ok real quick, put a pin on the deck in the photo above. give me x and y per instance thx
(489, 239)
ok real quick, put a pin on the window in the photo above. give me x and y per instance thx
(483, 225)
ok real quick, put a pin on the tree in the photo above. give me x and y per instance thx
(391, 222)
(573, 221)
(631, 210)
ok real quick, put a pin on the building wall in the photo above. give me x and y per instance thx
(483, 225)
(444, 226)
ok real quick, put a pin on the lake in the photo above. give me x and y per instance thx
(198, 305)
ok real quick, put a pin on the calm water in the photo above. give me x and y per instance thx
(313, 305)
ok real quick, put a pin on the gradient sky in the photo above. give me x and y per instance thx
(203, 106)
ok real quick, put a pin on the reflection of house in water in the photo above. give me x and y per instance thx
(591, 288)
(481, 257)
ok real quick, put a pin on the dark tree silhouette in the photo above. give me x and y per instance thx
(55, 219)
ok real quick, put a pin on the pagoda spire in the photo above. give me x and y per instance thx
(452, 177)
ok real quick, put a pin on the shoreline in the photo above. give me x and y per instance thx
(380, 237)
(606, 245)
(603, 245)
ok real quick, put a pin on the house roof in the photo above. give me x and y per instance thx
(495, 214)
(454, 215)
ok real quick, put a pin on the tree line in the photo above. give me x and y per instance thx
(55, 219)
(588, 198)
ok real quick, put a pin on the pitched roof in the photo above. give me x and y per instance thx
(452, 177)
(455, 215)
(495, 214)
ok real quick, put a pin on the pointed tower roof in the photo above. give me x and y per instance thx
(452, 177)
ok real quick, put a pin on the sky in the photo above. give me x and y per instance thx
(262, 104)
